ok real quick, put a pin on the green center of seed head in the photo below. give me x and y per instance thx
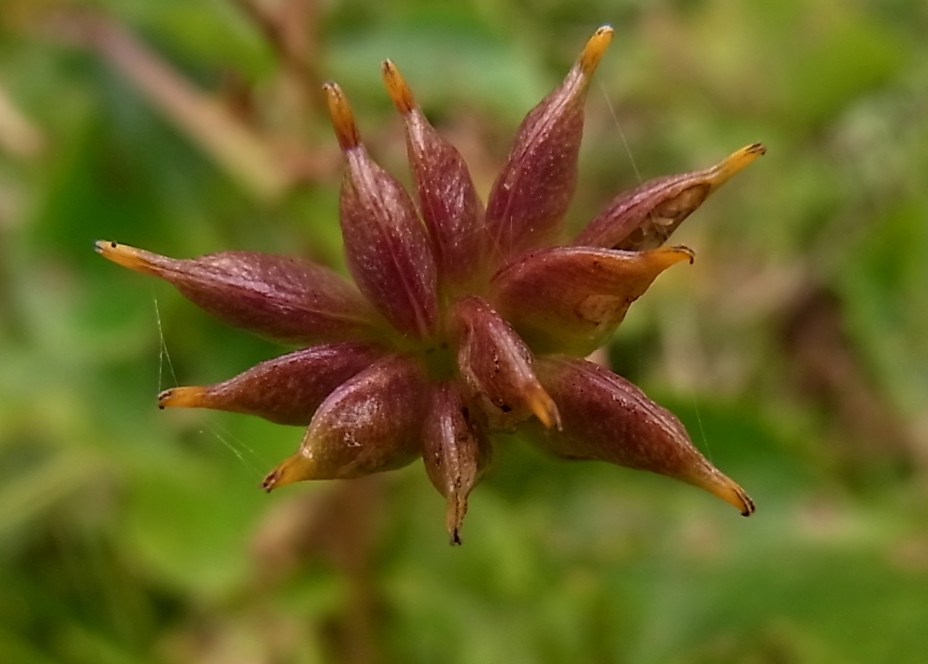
(438, 360)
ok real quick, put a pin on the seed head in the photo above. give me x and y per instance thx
(463, 321)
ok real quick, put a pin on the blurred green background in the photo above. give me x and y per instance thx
(795, 349)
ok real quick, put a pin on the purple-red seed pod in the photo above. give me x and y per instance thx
(432, 352)
(497, 367)
(606, 418)
(455, 451)
(386, 244)
(570, 299)
(534, 189)
(286, 390)
(371, 423)
(284, 298)
(646, 216)
(448, 201)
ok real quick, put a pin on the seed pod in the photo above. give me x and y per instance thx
(570, 299)
(532, 193)
(607, 418)
(369, 424)
(455, 452)
(497, 367)
(386, 245)
(448, 201)
(283, 298)
(286, 390)
(646, 216)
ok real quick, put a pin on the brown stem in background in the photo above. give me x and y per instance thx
(827, 370)
(18, 136)
(340, 526)
(289, 28)
(245, 155)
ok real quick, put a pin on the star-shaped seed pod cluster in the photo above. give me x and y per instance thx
(463, 321)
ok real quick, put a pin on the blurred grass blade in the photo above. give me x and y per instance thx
(232, 145)
(18, 136)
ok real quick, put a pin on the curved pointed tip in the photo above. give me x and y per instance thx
(747, 505)
(595, 48)
(735, 162)
(292, 469)
(182, 397)
(123, 254)
(454, 517)
(342, 117)
(668, 256)
(270, 481)
(758, 149)
(730, 491)
(543, 407)
(397, 87)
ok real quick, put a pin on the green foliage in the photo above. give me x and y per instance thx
(794, 349)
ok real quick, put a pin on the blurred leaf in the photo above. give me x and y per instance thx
(128, 534)
(467, 63)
